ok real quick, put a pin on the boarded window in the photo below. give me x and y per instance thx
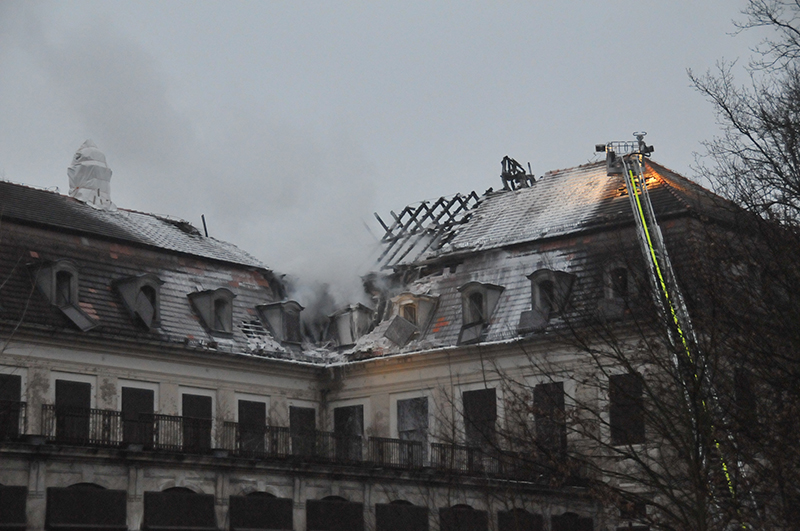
(252, 426)
(551, 431)
(334, 515)
(73, 400)
(179, 510)
(260, 510)
(10, 406)
(571, 522)
(626, 409)
(348, 427)
(137, 406)
(480, 417)
(303, 428)
(86, 507)
(519, 520)
(400, 516)
(463, 518)
(197, 414)
(13, 514)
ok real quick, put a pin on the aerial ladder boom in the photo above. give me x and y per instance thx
(627, 159)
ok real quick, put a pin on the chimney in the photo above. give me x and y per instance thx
(90, 177)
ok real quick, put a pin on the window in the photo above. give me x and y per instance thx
(626, 409)
(215, 308)
(73, 403)
(351, 323)
(409, 312)
(411, 319)
(303, 429)
(348, 428)
(550, 292)
(617, 283)
(252, 426)
(334, 514)
(480, 417)
(141, 298)
(551, 431)
(478, 302)
(197, 412)
(58, 281)
(11, 408)
(617, 289)
(138, 406)
(283, 320)
(412, 425)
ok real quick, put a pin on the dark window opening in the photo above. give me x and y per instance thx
(571, 522)
(475, 308)
(410, 313)
(334, 514)
(626, 409)
(252, 426)
(10, 406)
(222, 321)
(463, 518)
(303, 429)
(13, 501)
(179, 508)
(519, 520)
(551, 431)
(260, 510)
(618, 278)
(86, 506)
(348, 428)
(293, 326)
(412, 425)
(744, 400)
(73, 400)
(480, 417)
(137, 407)
(64, 295)
(546, 296)
(400, 515)
(197, 415)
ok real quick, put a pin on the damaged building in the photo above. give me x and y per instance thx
(155, 378)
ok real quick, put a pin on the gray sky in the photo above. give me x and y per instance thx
(287, 124)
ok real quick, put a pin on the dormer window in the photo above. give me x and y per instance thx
(617, 288)
(409, 312)
(413, 315)
(141, 297)
(215, 308)
(550, 292)
(58, 281)
(478, 302)
(283, 320)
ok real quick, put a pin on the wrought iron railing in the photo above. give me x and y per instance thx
(395, 453)
(464, 459)
(13, 420)
(332, 447)
(249, 440)
(178, 434)
(82, 426)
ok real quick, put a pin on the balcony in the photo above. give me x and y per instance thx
(395, 453)
(13, 420)
(82, 426)
(464, 460)
(256, 441)
(176, 434)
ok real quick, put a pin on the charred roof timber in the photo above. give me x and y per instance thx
(422, 226)
(514, 176)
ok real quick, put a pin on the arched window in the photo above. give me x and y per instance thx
(58, 281)
(478, 302)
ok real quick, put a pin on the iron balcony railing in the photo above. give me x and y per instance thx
(395, 453)
(464, 459)
(13, 420)
(82, 426)
(176, 434)
(250, 440)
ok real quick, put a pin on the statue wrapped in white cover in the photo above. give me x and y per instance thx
(90, 177)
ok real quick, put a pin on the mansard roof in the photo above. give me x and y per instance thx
(577, 221)
(54, 211)
(39, 228)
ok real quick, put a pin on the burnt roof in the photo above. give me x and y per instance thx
(63, 213)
